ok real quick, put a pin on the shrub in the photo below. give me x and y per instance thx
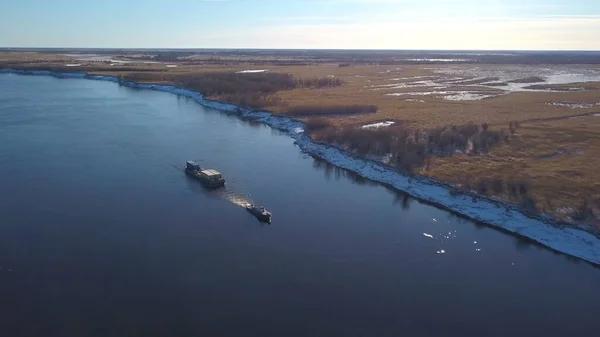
(410, 148)
(527, 204)
(248, 89)
(319, 82)
(315, 124)
(497, 186)
(308, 110)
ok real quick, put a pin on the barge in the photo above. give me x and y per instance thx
(209, 177)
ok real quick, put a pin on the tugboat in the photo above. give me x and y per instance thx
(209, 177)
(259, 212)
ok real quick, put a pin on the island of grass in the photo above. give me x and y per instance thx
(465, 130)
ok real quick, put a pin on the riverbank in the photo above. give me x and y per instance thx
(572, 241)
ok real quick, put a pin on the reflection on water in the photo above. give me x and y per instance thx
(401, 198)
(254, 124)
(521, 244)
(340, 173)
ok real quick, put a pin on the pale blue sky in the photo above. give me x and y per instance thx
(356, 24)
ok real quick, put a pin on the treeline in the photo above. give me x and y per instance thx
(249, 62)
(518, 190)
(409, 148)
(515, 189)
(318, 123)
(322, 110)
(37, 66)
(252, 90)
(227, 83)
(250, 100)
(319, 82)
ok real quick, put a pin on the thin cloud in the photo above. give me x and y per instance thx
(548, 33)
(311, 18)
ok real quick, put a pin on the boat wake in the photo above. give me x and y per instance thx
(236, 198)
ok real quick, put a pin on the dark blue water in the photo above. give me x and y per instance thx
(101, 236)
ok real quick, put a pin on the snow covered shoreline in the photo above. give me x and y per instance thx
(567, 240)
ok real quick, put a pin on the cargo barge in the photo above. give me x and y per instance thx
(209, 177)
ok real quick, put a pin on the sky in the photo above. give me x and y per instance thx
(303, 24)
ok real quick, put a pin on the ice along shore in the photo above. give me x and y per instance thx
(572, 241)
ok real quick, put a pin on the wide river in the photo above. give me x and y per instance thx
(102, 235)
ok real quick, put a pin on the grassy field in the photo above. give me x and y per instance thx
(547, 163)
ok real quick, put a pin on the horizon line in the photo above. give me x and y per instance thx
(293, 49)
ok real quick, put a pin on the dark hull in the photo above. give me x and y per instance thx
(260, 216)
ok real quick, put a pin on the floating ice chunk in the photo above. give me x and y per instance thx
(428, 235)
(441, 251)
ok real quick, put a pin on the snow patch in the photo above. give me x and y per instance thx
(377, 125)
(467, 96)
(571, 105)
(436, 60)
(447, 95)
(171, 66)
(251, 71)
(403, 85)
(73, 65)
(568, 240)
(425, 93)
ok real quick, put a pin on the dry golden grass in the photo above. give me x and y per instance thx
(434, 111)
(23, 57)
(560, 158)
(560, 180)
